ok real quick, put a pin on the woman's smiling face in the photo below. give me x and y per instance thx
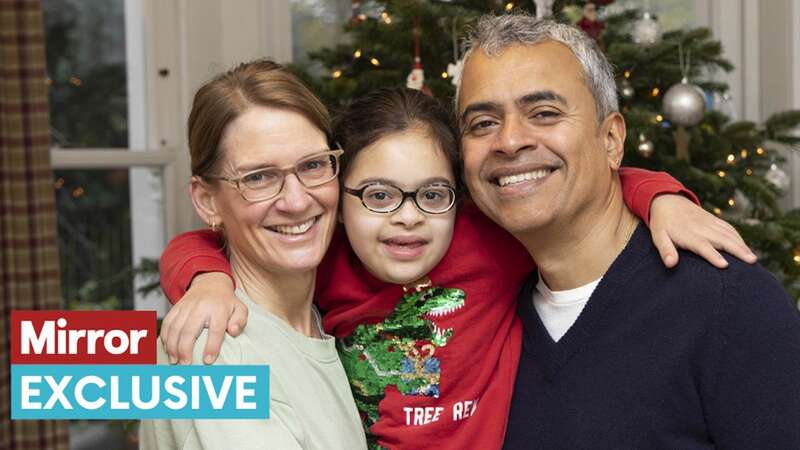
(291, 231)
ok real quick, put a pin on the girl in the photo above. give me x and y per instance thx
(422, 299)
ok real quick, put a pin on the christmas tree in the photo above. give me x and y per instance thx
(673, 111)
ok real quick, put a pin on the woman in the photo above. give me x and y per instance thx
(264, 175)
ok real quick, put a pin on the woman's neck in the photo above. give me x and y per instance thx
(286, 295)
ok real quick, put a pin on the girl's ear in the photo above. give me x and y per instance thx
(204, 200)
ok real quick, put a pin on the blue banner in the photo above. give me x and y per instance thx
(139, 392)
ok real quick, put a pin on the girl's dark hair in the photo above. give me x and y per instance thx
(387, 111)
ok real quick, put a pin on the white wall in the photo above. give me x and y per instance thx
(195, 40)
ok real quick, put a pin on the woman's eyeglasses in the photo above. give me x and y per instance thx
(264, 184)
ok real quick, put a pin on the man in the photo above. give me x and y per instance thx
(618, 351)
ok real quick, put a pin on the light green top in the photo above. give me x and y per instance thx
(311, 406)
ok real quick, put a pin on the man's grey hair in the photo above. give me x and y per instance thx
(493, 34)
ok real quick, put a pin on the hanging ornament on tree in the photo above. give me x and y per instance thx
(416, 79)
(723, 102)
(646, 30)
(684, 105)
(590, 23)
(646, 147)
(739, 206)
(777, 177)
(544, 8)
(356, 15)
(626, 89)
(454, 69)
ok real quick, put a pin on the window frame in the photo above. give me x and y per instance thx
(151, 101)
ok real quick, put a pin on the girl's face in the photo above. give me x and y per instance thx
(404, 245)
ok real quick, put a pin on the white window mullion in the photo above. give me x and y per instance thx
(146, 184)
(108, 158)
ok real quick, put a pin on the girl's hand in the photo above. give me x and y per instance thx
(209, 303)
(676, 221)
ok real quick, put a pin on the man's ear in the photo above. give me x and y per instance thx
(614, 131)
(204, 201)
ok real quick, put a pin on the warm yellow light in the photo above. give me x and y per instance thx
(731, 158)
(357, 53)
(717, 211)
(627, 74)
(336, 73)
(749, 172)
(387, 20)
(655, 92)
(743, 153)
(375, 62)
(445, 75)
(731, 202)
(509, 6)
(797, 259)
(760, 151)
(721, 173)
(659, 118)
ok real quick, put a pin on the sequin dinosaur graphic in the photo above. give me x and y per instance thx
(399, 351)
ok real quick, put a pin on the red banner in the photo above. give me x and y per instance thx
(83, 337)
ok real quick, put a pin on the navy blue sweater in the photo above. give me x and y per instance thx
(688, 358)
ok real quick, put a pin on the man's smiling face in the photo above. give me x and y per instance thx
(533, 152)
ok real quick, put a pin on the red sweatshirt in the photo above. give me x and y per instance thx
(429, 369)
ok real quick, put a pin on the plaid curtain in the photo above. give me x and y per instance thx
(28, 245)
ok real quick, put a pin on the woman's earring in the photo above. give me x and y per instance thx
(214, 227)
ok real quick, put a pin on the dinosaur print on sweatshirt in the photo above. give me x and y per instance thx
(399, 351)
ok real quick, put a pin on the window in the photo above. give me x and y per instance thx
(109, 185)
(113, 179)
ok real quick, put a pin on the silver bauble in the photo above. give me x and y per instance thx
(684, 104)
(646, 147)
(724, 104)
(741, 207)
(646, 30)
(777, 177)
(626, 89)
